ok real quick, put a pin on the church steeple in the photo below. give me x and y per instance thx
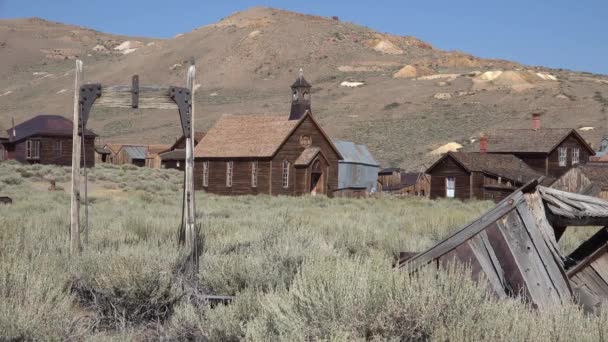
(300, 97)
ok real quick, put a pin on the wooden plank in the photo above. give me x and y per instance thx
(513, 280)
(540, 287)
(190, 217)
(592, 281)
(150, 97)
(572, 196)
(467, 232)
(600, 265)
(537, 210)
(550, 259)
(75, 246)
(492, 270)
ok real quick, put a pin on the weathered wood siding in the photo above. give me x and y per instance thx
(48, 154)
(270, 171)
(292, 149)
(449, 168)
(241, 178)
(572, 181)
(554, 169)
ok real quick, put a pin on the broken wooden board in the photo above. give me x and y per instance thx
(588, 270)
(513, 246)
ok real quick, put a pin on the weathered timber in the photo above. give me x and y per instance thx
(515, 246)
(149, 97)
(75, 246)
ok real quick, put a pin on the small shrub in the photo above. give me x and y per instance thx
(12, 180)
(124, 296)
(392, 105)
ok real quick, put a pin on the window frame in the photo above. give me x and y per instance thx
(285, 175)
(576, 155)
(205, 173)
(229, 173)
(32, 149)
(254, 174)
(57, 148)
(449, 194)
(562, 155)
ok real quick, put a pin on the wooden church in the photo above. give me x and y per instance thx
(269, 154)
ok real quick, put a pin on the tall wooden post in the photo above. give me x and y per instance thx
(75, 202)
(189, 202)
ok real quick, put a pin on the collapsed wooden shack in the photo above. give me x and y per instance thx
(514, 246)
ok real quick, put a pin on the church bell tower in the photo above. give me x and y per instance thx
(300, 97)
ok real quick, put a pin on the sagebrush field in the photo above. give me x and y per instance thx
(302, 269)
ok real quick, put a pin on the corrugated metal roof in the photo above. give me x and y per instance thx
(354, 153)
(136, 152)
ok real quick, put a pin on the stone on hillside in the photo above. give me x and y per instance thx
(349, 84)
(410, 71)
(385, 46)
(99, 48)
(442, 96)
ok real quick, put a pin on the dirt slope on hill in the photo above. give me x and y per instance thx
(247, 61)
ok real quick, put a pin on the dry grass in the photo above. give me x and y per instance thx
(303, 269)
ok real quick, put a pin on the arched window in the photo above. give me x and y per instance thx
(285, 173)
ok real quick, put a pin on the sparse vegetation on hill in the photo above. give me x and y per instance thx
(248, 60)
(301, 268)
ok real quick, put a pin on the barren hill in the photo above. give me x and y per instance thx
(399, 95)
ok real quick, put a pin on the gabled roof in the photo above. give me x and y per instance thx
(43, 125)
(301, 82)
(114, 148)
(178, 154)
(307, 156)
(543, 140)
(102, 149)
(354, 153)
(135, 152)
(198, 136)
(260, 136)
(501, 165)
(156, 149)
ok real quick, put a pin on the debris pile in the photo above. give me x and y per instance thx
(514, 248)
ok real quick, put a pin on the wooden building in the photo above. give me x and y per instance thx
(153, 158)
(357, 171)
(401, 183)
(513, 248)
(549, 151)
(263, 154)
(102, 154)
(475, 175)
(590, 179)
(131, 154)
(174, 157)
(46, 139)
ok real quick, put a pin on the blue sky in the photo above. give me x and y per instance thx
(557, 33)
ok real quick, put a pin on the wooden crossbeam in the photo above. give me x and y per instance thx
(121, 96)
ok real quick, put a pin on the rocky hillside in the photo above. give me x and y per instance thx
(399, 95)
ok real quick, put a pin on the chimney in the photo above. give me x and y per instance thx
(483, 143)
(14, 130)
(536, 121)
